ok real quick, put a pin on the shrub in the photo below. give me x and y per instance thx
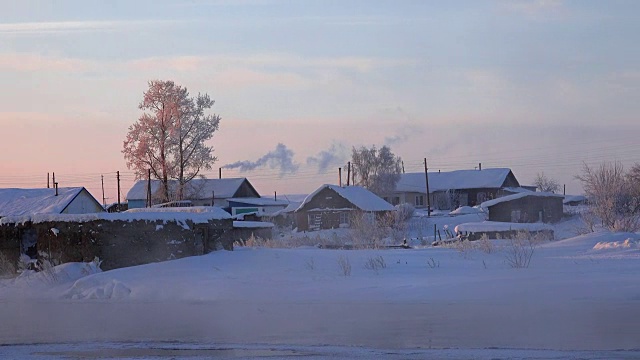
(520, 249)
(345, 265)
(375, 263)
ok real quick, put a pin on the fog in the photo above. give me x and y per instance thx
(581, 325)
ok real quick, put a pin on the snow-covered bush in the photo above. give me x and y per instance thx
(485, 245)
(519, 249)
(375, 263)
(404, 212)
(345, 265)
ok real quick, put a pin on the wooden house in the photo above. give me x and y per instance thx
(332, 206)
(526, 207)
(452, 189)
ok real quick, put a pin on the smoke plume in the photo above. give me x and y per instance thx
(336, 155)
(281, 158)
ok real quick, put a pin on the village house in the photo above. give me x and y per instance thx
(452, 189)
(525, 207)
(64, 200)
(198, 192)
(332, 206)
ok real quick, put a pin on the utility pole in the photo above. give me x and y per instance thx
(104, 202)
(426, 175)
(348, 172)
(118, 178)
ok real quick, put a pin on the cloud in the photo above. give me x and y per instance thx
(36, 62)
(64, 27)
(281, 158)
(336, 155)
(536, 9)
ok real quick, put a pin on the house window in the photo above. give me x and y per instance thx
(344, 218)
(420, 200)
(396, 200)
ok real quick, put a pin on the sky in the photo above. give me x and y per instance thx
(536, 86)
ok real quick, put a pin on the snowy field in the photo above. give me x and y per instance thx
(578, 299)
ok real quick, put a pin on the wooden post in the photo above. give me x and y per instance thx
(426, 175)
(435, 229)
(348, 172)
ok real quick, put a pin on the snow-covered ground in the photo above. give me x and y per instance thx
(579, 298)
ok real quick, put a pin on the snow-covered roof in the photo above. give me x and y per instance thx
(464, 210)
(362, 198)
(453, 180)
(20, 202)
(196, 214)
(289, 209)
(195, 189)
(260, 201)
(574, 198)
(499, 200)
(489, 226)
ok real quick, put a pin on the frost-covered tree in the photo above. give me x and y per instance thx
(169, 137)
(611, 194)
(546, 184)
(376, 169)
(193, 155)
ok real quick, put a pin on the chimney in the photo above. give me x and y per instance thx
(55, 185)
(275, 195)
(479, 166)
(340, 176)
(219, 173)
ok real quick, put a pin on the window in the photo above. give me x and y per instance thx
(344, 218)
(396, 200)
(515, 216)
(420, 200)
